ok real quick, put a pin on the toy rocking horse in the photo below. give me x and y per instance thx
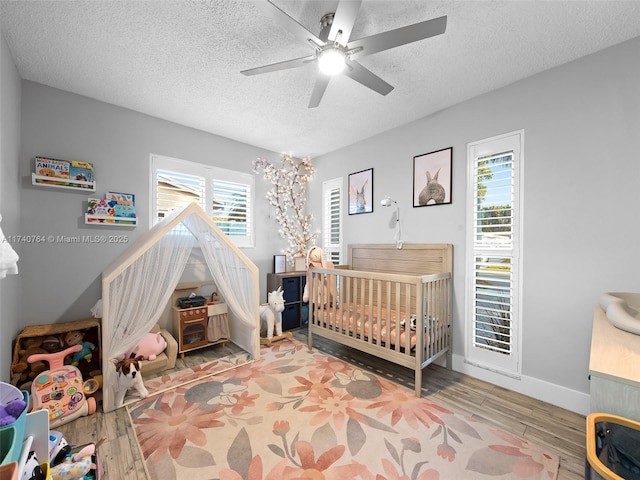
(271, 317)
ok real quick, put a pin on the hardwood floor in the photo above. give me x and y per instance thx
(555, 428)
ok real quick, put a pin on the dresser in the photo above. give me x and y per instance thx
(614, 369)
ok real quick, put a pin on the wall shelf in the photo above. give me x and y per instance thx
(110, 220)
(68, 184)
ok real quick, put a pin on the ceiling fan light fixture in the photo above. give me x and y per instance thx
(331, 60)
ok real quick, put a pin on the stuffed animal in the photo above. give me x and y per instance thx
(149, 347)
(30, 346)
(128, 376)
(317, 258)
(10, 412)
(271, 314)
(75, 337)
(32, 469)
(75, 467)
(52, 343)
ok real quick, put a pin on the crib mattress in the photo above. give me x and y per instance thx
(358, 321)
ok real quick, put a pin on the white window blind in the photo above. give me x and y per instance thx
(494, 246)
(232, 207)
(332, 219)
(226, 195)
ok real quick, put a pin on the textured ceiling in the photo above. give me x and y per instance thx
(181, 60)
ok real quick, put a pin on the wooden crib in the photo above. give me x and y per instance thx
(383, 299)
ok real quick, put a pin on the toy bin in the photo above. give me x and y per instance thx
(11, 436)
(613, 448)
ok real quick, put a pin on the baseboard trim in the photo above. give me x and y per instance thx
(563, 397)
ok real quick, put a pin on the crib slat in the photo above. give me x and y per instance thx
(397, 304)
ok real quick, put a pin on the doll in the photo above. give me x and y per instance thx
(76, 338)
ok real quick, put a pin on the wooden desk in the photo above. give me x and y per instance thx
(614, 369)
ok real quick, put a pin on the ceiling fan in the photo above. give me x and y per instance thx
(335, 53)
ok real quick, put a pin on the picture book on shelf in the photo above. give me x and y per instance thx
(125, 210)
(121, 198)
(82, 171)
(99, 206)
(111, 210)
(50, 167)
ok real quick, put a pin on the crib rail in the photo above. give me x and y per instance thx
(382, 314)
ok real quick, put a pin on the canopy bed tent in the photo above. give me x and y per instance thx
(137, 286)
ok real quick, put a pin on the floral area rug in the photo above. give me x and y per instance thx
(168, 382)
(300, 414)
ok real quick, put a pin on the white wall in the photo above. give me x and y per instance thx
(10, 299)
(61, 280)
(581, 204)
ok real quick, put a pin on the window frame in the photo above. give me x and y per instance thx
(210, 174)
(508, 364)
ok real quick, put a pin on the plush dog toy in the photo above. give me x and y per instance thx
(128, 373)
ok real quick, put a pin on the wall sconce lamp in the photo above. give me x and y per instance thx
(387, 202)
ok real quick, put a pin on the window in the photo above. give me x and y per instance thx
(493, 246)
(332, 219)
(226, 195)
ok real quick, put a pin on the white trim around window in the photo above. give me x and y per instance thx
(494, 254)
(226, 195)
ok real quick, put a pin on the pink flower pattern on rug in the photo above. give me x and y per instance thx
(297, 414)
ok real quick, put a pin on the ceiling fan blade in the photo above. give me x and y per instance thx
(322, 81)
(399, 36)
(367, 78)
(274, 67)
(344, 19)
(284, 20)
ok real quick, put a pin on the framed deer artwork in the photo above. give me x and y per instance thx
(361, 192)
(432, 178)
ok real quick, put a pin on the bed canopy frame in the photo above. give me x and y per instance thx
(137, 286)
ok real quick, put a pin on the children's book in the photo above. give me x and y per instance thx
(125, 210)
(50, 167)
(121, 198)
(81, 171)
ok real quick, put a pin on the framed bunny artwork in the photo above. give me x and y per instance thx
(361, 192)
(432, 178)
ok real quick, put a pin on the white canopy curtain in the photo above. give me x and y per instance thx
(137, 286)
(232, 276)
